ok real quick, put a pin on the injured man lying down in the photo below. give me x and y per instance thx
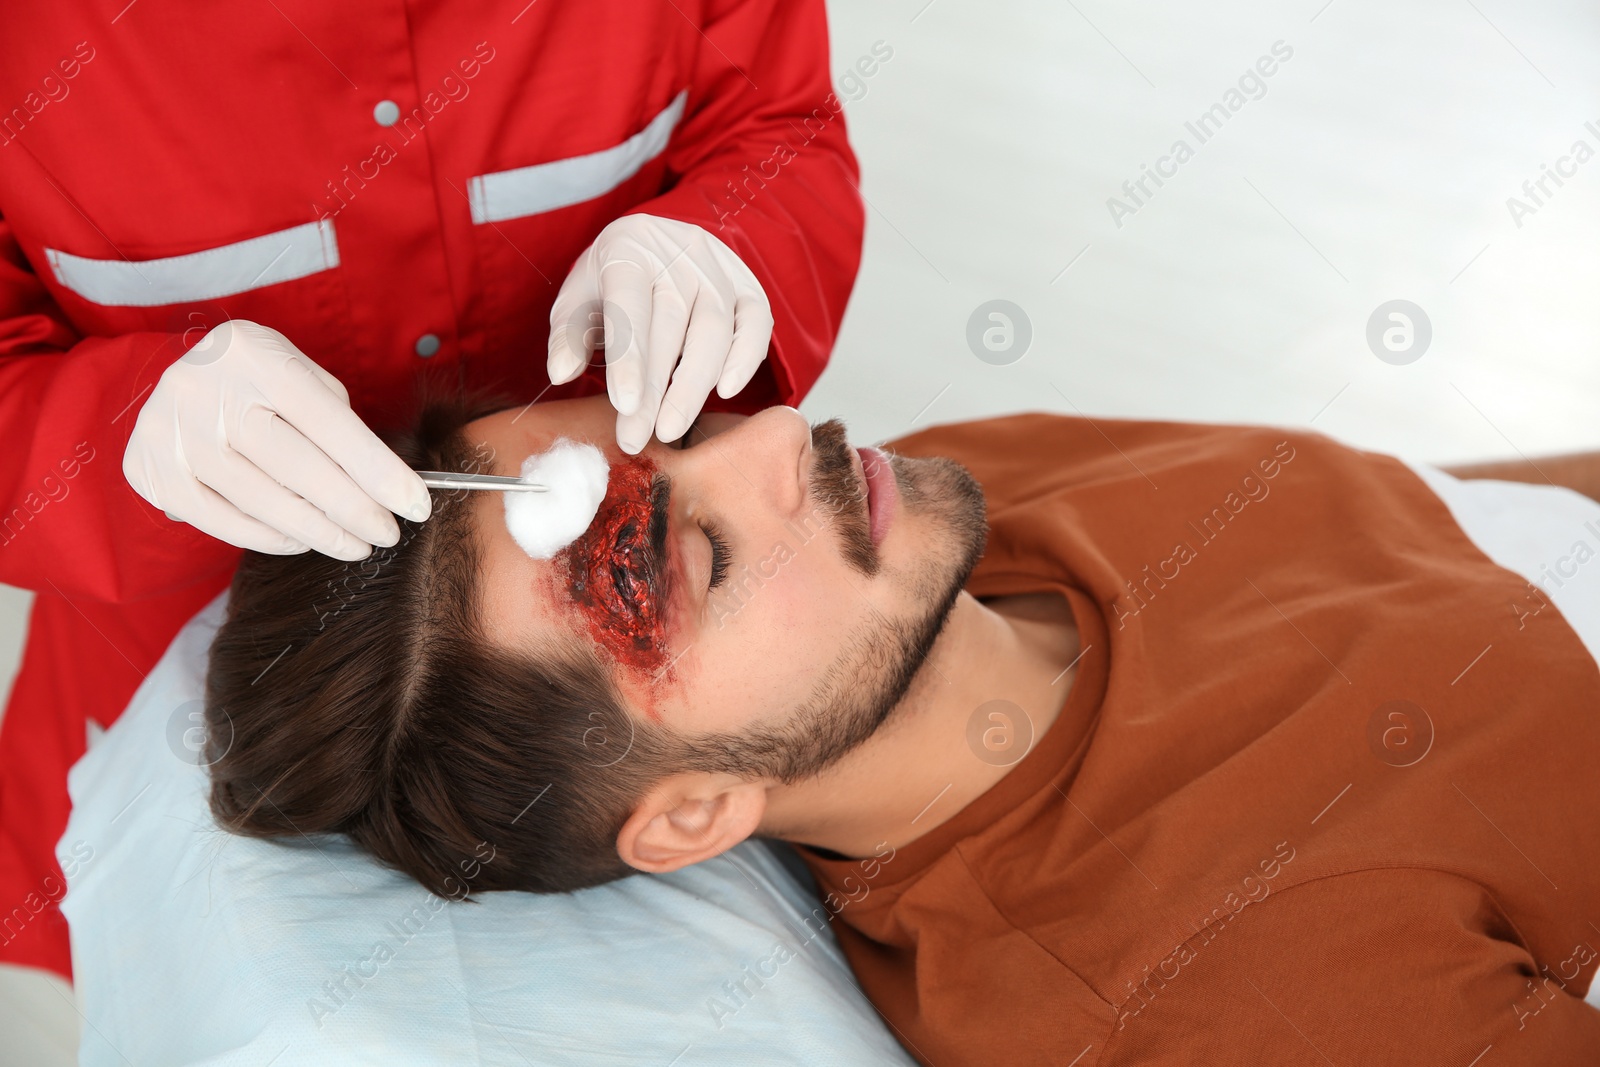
(1185, 748)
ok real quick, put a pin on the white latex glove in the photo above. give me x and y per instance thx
(659, 288)
(249, 440)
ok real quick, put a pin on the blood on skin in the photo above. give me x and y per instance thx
(606, 572)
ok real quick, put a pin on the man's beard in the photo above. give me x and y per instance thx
(864, 684)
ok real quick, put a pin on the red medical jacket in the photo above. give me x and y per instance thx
(400, 188)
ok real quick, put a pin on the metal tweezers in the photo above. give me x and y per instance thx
(447, 480)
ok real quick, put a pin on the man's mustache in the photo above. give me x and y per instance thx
(839, 494)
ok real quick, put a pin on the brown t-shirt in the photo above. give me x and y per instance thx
(1324, 791)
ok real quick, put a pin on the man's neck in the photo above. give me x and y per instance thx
(929, 761)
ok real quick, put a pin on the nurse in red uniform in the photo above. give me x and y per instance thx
(233, 238)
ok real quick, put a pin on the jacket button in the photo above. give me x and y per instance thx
(387, 113)
(427, 345)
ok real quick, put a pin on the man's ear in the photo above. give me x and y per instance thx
(688, 818)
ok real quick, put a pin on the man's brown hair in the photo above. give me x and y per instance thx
(364, 699)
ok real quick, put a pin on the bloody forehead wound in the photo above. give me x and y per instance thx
(617, 572)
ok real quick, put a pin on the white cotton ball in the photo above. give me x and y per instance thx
(545, 523)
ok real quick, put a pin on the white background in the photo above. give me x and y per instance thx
(1376, 166)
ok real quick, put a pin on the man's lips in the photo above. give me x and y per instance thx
(883, 494)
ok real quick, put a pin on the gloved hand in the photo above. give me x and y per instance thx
(249, 440)
(660, 287)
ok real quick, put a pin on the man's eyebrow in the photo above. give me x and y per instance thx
(656, 535)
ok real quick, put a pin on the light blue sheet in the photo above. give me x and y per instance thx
(192, 946)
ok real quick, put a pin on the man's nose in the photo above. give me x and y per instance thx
(764, 462)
